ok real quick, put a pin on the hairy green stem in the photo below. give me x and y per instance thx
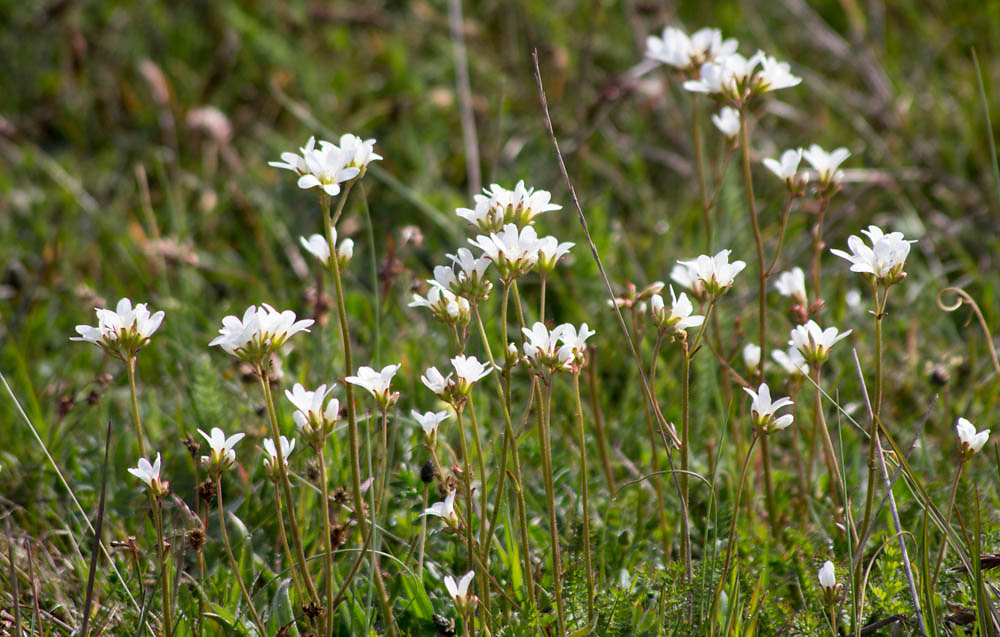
(130, 366)
(699, 159)
(284, 543)
(161, 552)
(327, 541)
(544, 433)
(585, 494)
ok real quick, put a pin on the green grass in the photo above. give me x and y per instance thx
(83, 134)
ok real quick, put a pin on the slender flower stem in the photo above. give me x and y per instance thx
(467, 482)
(761, 303)
(327, 541)
(541, 303)
(732, 528)
(130, 366)
(484, 540)
(585, 493)
(515, 455)
(602, 438)
(817, 254)
(161, 552)
(286, 485)
(284, 543)
(352, 417)
(699, 159)
(232, 560)
(685, 442)
(947, 522)
(820, 429)
(544, 413)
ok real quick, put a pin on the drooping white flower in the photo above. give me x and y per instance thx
(260, 332)
(223, 454)
(727, 120)
(826, 164)
(786, 168)
(791, 361)
(762, 410)
(716, 274)
(514, 251)
(885, 258)
(429, 421)
(792, 283)
(377, 382)
(317, 246)
(150, 476)
(499, 206)
(549, 253)
(751, 355)
(325, 167)
(444, 510)
(122, 332)
(813, 342)
(359, 152)
(971, 441)
(827, 576)
(311, 417)
(270, 457)
(460, 591)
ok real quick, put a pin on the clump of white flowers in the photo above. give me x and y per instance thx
(454, 387)
(327, 166)
(123, 331)
(687, 53)
(883, 261)
(713, 274)
(261, 331)
(737, 80)
(498, 207)
(559, 349)
(514, 251)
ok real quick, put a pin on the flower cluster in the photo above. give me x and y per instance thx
(329, 165)
(311, 417)
(562, 348)
(259, 333)
(825, 169)
(498, 207)
(687, 53)
(707, 276)
(122, 332)
(735, 79)
(454, 387)
(883, 261)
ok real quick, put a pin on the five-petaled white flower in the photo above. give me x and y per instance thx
(429, 421)
(786, 168)
(675, 48)
(444, 510)
(774, 75)
(680, 315)
(377, 383)
(270, 458)
(574, 340)
(549, 253)
(751, 355)
(972, 442)
(791, 361)
(499, 206)
(311, 417)
(885, 258)
(222, 453)
(261, 331)
(436, 382)
(317, 246)
(716, 274)
(826, 164)
(150, 475)
(514, 251)
(325, 167)
(762, 410)
(727, 120)
(464, 601)
(123, 331)
(359, 152)
(813, 342)
(468, 371)
(792, 283)
(686, 276)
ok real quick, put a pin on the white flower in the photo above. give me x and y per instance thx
(499, 206)
(885, 258)
(150, 475)
(825, 164)
(513, 251)
(434, 381)
(813, 342)
(678, 50)
(317, 246)
(792, 283)
(574, 340)
(791, 361)
(122, 332)
(726, 76)
(443, 304)
(460, 592)
(827, 576)
(751, 355)
(762, 410)
(716, 274)
(971, 441)
(542, 346)
(468, 371)
(222, 453)
(444, 510)
(325, 167)
(377, 383)
(549, 253)
(687, 276)
(787, 167)
(727, 120)
(774, 75)
(311, 417)
(271, 453)
(680, 317)
(358, 152)
(430, 421)
(261, 331)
